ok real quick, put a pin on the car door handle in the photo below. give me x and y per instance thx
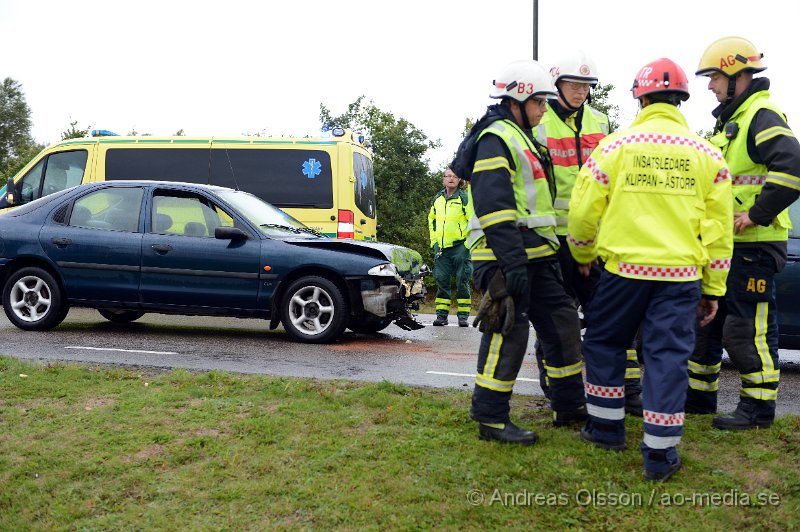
(363, 221)
(161, 248)
(61, 242)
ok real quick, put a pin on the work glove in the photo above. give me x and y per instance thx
(496, 311)
(437, 251)
(517, 280)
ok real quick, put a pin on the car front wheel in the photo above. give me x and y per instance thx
(33, 300)
(314, 310)
(120, 316)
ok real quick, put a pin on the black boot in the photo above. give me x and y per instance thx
(633, 404)
(663, 476)
(587, 436)
(510, 433)
(749, 414)
(570, 417)
(700, 402)
(440, 320)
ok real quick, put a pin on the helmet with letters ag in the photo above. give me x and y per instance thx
(730, 55)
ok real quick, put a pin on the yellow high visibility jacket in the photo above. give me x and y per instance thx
(749, 177)
(448, 217)
(569, 149)
(533, 202)
(654, 202)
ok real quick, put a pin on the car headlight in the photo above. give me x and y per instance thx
(384, 270)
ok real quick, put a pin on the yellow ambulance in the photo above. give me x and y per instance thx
(326, 182)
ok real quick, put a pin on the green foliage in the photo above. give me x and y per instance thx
(404, 183)
(16, 143)
(600, 102)
(10, 167)
(73, 132)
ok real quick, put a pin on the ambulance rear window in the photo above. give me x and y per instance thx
(285, 178)
(364, 187)
(188, 165)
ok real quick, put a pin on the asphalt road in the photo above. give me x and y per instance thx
(433, 356)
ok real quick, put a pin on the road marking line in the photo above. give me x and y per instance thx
(472, 375)
(121, 350)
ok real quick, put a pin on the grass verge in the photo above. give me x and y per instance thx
(104, 448)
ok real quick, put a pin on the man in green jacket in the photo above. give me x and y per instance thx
(447, 223)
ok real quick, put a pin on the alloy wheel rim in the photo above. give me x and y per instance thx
(30, 298)
(311, 310)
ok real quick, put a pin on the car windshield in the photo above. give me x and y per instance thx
(271, 220)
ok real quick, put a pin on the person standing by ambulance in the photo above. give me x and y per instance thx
(513, 246)
(653, 202)
(571, 129)
(764, 159)
(447, 225)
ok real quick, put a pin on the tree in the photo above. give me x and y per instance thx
(16, 143)
(403, 182)
(600, 102)
(74, 133)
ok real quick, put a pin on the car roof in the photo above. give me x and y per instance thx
(147, 182)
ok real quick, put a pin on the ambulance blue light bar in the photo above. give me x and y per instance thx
(103, 133)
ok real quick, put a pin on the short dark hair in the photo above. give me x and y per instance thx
(670, 97)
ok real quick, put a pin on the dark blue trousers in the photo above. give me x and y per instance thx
(666, 312)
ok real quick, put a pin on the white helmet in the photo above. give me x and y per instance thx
(521, 80)
(577, 66)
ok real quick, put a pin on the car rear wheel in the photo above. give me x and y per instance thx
(119, 315)
(33, 300)
(314, 310)
(369, 326)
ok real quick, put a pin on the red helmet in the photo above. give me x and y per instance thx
(661, 75)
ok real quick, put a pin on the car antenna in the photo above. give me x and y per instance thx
(233, 174)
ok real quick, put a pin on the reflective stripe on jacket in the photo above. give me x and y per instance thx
(748, 177)
(657, 187)
(534, 207)
(447, 219)
(569, 149)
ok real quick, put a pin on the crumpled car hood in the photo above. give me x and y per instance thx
(408, 262)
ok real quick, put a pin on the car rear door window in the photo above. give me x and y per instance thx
(117, 209)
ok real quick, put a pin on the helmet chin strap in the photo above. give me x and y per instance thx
(526, 124)
(731, 89)
(563, 100)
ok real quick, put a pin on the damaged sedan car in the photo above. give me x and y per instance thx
(127, 248)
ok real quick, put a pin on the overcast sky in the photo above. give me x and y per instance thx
(241, 67)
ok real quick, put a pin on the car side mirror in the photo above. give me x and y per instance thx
(230, 233)
(11, 192)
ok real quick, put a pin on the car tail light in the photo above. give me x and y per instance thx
(346, 227)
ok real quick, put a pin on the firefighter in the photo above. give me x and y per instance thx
(571, 129)
(764, 158)
(653, 202)
(447, 224)
(513, 247)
